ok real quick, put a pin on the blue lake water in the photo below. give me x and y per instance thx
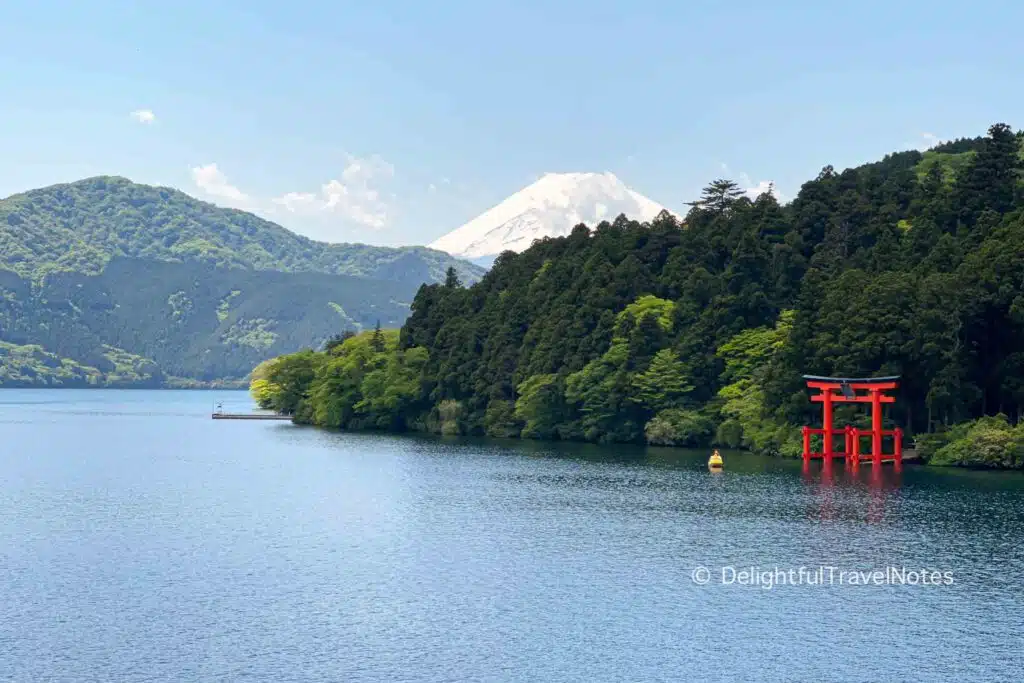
(142, 541)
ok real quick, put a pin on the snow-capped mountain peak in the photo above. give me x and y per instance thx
(550, 207)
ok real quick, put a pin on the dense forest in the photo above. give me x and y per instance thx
(105, 282)
(698, 333)
(192, 324)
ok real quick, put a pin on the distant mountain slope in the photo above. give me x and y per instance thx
(144, 321)
(550, 207)
(80, 226)
(108, 282)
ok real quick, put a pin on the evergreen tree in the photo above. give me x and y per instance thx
(992, 180)
(451, 278)
(377, 341)
(718, 197)
(664, 384)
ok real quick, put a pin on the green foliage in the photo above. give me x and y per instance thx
(377, 340)
(752, 350)
(664, 384)
(719, 196)
(261, 388)
(540, 406)
(747, 419)
(288, 381)
(749, 422)
(363, 381)
(450, 415)
(337, 340)
(729, 433)
(181, 306)
(675, 427)
(989, 442)
(600, 393)
(255, 333)
(391, 386)
(225, 305)
(948, 165)
(648, 305)
(500, 419)
(129, 369)
(683, 334)
(451, 278)
(31, 366)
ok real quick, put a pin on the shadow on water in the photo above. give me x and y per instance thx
(749, 486)
(742, 463)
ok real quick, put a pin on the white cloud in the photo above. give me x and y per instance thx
(438, 185)
(143, 115)
(750, 188)
(354, 196)
(928, 140)
(755, 190)
(212, 182)
(295, 201)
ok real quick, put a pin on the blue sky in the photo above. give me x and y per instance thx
(393, 122)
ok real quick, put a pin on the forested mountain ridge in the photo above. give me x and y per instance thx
(105, 282)
(80, 226)
(189, 322)
(913, 265)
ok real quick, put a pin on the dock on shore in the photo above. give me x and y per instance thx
(250, 416)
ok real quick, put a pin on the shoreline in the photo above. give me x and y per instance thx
(911, 456)
(242, 386)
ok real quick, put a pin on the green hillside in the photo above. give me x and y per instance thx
(699, 335)
(188, 321)
(80, 226)
(105, 282)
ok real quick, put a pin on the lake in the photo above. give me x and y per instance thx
(142, 541)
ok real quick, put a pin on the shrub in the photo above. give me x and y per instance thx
(677, 427)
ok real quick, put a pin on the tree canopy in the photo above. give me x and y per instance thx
(698, 332)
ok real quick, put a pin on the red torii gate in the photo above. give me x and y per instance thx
(875, 388)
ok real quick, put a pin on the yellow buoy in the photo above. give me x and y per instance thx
(715, 461)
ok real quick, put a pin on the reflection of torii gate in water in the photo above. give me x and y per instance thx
(847, 388)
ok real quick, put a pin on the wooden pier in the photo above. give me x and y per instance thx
(250, 416)
(218, 413)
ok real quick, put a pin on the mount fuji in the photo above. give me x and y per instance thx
(550, 207)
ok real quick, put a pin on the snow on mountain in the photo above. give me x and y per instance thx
(550, 207)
